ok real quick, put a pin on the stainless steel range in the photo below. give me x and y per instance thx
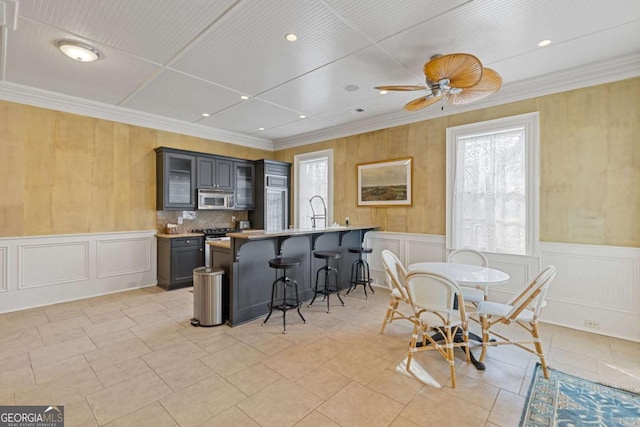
(211, 234)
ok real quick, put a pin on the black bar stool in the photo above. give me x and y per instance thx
(328, 270)
(285, 303)
(360, 271)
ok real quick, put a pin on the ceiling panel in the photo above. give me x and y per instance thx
(383, 104)
(323, 90)
(180, 96)
(247, 51)
(572, 53)
(35, 61)
(152, 30)
(250, 115)
(383, 18)
(294, 128)
(502, 29)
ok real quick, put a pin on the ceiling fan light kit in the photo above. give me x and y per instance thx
(458, 78)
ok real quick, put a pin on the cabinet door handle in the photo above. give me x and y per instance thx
(188, 241)
(200, 249)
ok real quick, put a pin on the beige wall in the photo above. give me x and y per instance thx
(589, 166)
(64, 173)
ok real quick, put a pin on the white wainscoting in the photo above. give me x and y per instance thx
(594, 283)
(43, 270)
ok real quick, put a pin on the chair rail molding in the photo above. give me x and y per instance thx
(595, 284)
(43, 270)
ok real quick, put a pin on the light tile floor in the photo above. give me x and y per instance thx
(133, 359)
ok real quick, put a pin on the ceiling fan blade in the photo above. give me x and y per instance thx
(403, 88)
(491, 82)
(422, 102)
(462, 69)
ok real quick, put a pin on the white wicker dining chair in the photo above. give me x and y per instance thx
(523, 309)
(477, 294)
(395, 273)
(433, 298)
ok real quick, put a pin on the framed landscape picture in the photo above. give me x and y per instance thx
(386, 183)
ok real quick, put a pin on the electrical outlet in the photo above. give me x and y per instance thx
(180, 220)
(233, 218)
(592, 324)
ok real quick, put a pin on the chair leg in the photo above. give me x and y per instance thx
(295, 284)
(538, 345)
(450, 357)
(412, 346)
(388, 315)
(485, 337)
(273, 290)
(315, 289)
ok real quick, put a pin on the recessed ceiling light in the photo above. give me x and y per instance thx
(383, 92)
(291, 37)
(260, 128)
(205, 114)
(351, 88)
(244, 97)
(79, 51)
(544, 43)
(302, 116)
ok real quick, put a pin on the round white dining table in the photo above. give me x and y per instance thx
(464, 274)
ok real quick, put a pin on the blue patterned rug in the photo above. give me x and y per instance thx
(568, 401)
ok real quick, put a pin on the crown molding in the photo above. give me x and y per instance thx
(620, 68)
(70, 104)
(611, 70)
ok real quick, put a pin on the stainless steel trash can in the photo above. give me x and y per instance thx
(207, 296)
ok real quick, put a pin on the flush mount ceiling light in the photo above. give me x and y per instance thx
(544, 43)
(383, 92)
(244, 97)
(302, 116)
(79, 51)
(290, 37)
(260, 128)
(205, 114)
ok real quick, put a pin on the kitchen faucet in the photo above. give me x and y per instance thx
(315, 216)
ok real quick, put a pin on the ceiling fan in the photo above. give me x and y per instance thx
(458, 78)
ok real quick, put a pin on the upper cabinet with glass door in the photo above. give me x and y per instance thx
(175, 180)
(243, 173)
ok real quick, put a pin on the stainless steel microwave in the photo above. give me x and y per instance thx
(215, 199)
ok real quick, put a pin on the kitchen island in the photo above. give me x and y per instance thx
(248, 276)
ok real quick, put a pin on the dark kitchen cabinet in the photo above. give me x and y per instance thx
(177, 258)
(215, 172)
(175, 180)
(244, 183)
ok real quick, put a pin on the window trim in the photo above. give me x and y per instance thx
(531, 124)
(328, 154)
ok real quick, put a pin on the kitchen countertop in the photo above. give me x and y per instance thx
(261, 234)
(179, 235)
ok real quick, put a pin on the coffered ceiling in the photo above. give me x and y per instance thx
(166, 62)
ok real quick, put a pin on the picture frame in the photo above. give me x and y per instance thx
(385, 183)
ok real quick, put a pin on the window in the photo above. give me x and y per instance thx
(493, 185)
(313, 177)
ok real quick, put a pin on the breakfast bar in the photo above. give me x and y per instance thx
(245, 259)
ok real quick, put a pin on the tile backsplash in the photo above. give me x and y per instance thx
(202, 219)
